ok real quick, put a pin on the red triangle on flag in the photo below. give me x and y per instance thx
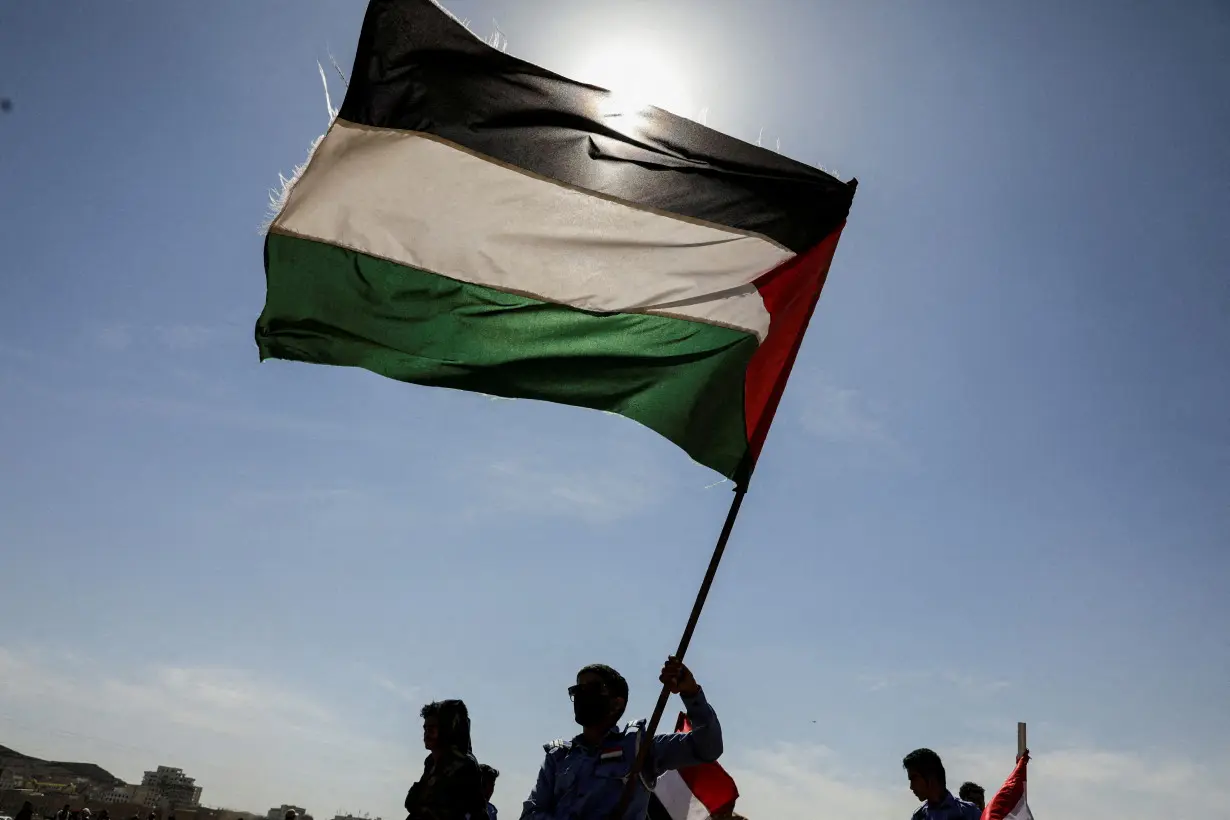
(1009, 802)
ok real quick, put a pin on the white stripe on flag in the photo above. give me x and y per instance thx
(677, 798)
(1020, 811)
(424, 203)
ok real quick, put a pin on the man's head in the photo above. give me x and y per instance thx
(291, 814)
(926, 772)
(599, 697)
(973, 793)
(487, 775)
(446, 725)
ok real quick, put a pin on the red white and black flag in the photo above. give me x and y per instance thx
(1009, 802)
(694, 793)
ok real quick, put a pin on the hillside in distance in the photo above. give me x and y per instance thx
(97, 774)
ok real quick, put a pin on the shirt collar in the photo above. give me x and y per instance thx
(615, 734)
(948, 802)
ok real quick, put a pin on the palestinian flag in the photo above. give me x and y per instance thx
(474, 221)
(1009, 802)
(694, 793)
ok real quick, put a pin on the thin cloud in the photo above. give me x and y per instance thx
(248, 739)
(805, 780)
(802, 780)
(1106, 784)
(599, 495)
(842, 414)
(215, 699)
(21, 354)
(845, 416)
(217, 413)
(178, 337)
(409, 694)
(114, 338)
(967, 683)
(190, 337)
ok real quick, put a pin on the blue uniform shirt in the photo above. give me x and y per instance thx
(950, 809)
(492, 814)
(580, 782)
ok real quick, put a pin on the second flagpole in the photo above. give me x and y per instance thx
(625, 798)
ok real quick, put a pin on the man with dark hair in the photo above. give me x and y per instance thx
(929, 784)
(487, 776)
(583, 778)
(972, 792)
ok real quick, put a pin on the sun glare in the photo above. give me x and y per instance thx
(638, 75)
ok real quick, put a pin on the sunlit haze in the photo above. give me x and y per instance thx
(638, 73)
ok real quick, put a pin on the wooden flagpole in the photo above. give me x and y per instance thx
(1020, 740)
(625, 798)
(743, 475)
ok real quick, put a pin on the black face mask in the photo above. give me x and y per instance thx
(591, 708)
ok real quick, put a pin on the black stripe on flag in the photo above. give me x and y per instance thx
(418, 69)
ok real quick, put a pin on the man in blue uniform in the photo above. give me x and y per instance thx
(582, 778)
(929, 784)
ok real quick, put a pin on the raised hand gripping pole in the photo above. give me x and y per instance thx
(638, 765)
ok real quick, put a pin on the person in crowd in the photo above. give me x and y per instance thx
(451, 786)
(64, 813)
(929, 784)
(973, 793)
(583, 778)
(488, 775)
(104, 815)
(26, 812)
(291, 814)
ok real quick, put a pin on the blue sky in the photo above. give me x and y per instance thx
(995, 491)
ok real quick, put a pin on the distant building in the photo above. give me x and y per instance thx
(52, 788)
(171, 786)
(128, 793)
(10, 779)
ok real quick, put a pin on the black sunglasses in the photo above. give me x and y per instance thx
(587, 689)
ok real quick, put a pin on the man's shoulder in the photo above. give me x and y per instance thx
(920, 812)
(636, 727)
(457, 763)
(557, 747)
(969, 811)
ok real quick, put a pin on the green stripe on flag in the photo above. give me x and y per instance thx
(683, 379)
